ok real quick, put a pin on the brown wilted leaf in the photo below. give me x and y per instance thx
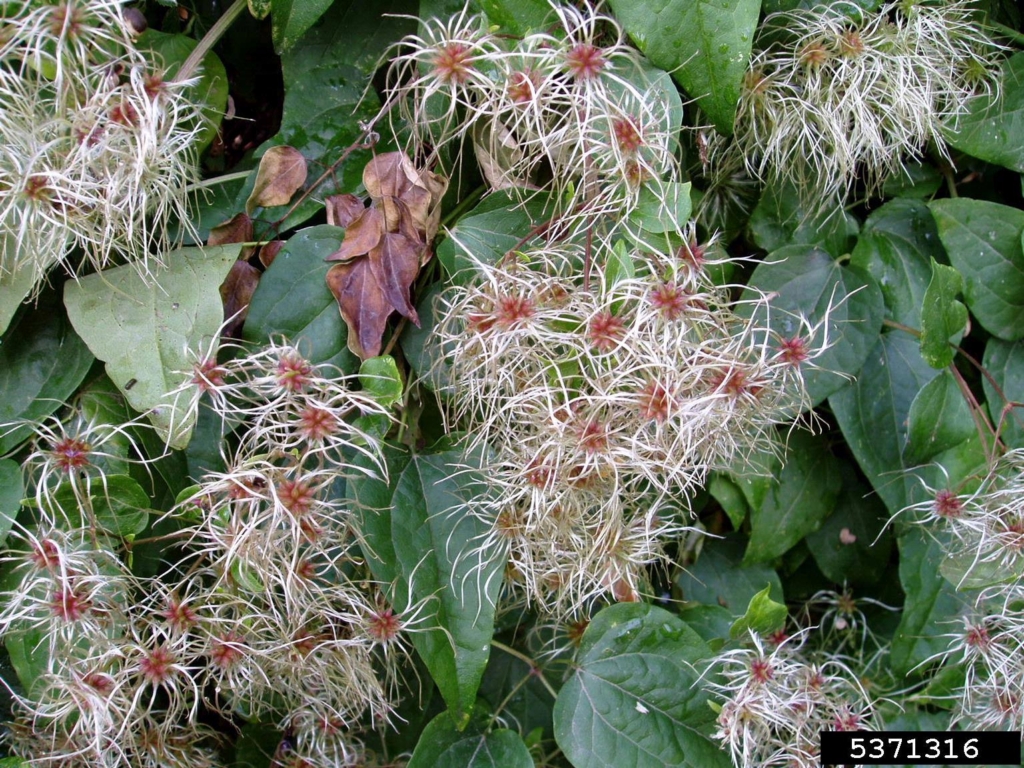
(392, 175)
(237, 229)
(236, 292)
(363, 306)
(282, 172)
(395, 264)
(268, 252)
(342, 210)
(361, 235)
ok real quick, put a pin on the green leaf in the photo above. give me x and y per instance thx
(853, 544)
(211, 90)
(28, 651)
(719, 577)
(443, 745)
(931, 602)
(662, 207)
(763, 616)
(371, 497)
(919, 181)
(805, 282)
(291, 18)
(896, 246)
(527, 702)
(293, 300)
(142, 328)
(380, 380)
(780, 220)
(259, 9)
(516, 17)
(12, 491)
(119, 505)
(730, 498)
(965, 572)
(873, 411)
(633, 698)
(983, 241)
(436, 540)
(939, 419)
(993, 128)
(489, 231)
(42, 363)
(943, 318)
(1004, 360)
(804, 494)
(18, 286)
(705, 44)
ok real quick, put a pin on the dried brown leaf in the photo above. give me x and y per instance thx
(236, 292)
(342, 210)
(362, 304)
(362, 234)
(395, 264)
(269, 252)
(282, 172)
(237, 229)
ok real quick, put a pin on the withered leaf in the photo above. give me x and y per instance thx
(282, 172)
(237, 229)
(392, 175)
(362, 304)
(268, 252)
(361, 235)
(236, 292)
(395, 264)
(342, 210)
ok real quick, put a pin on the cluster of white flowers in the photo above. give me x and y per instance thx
(98, 147)
(838, 94)
(773, 705)
(268, 608)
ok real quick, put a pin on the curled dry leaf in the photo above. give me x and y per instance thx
(237, 229)
(342, 210)
(268, 252)
(384, 248)
(282, 173)
(236, 292)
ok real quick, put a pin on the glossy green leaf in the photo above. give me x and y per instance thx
(1004, 360)
(516, 17)
(211, 89)
(993, 128)
(872, 414)
(370, 493)
(443, 745)
(804, 494)
(780, 220)
(292, 300)
(291, 18)
(705, 44)
(931, 603)
(719, 577)
(896, 246)
(12, 491)
(485, 234)
(633, 697)
(381, 380)
(142, 328)
(983, 240)
(939, 419)
(42, 363)
(436, 540)
(661, 208)
(805, 282)
(763, 616)
(943, 318)
(854, 543)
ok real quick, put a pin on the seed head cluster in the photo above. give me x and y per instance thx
(573, 108)
(98, 145)
(267, 609)
(604, 408)
(837, 95)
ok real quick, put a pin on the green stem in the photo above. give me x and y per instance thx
(1008, 32)
(213, 34)
(227, 177)
(534, 668)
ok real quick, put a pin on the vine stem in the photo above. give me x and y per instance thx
(213, 34)
(534, 668)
